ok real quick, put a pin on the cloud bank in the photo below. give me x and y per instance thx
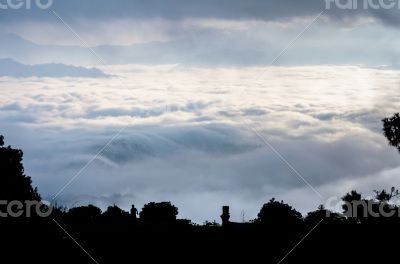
(188, 135)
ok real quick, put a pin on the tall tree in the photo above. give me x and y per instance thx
(14, 184)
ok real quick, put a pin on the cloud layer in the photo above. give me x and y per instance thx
(188, 134)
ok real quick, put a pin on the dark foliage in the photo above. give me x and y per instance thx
(275, 212)
(14, 185)
(85, 214)
(163, 212)
(391, 130)
(384, 196)
(114, 214)
(322, 214)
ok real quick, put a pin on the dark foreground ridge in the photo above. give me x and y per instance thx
(365, 230)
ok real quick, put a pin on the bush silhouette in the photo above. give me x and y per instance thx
(163, 212)
(114, 214)
(85, 214)
(275, 212)
(384, 196)
(353, 206)
(315, 217)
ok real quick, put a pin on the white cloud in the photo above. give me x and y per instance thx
(187, 138)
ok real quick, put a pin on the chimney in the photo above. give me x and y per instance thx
(225, 215)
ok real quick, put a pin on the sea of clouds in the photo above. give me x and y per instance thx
(188, 135)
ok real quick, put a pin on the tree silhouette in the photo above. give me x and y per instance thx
(352, 207)
(14, 184)
(381, 205)
(275, 212)
(391, 130)
(163, 212)
(114, 214)
(351, 197)
(322, 214)
(384, 196)
(85, 214)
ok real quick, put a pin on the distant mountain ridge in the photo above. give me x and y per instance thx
(12, 68)
(183, 51)
(28, 52)
(205, 51)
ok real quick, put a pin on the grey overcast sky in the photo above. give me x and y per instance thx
(221, 9)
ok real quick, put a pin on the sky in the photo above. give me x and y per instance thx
(201, 103)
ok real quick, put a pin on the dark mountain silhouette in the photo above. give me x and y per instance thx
(12, 68)
(15, 47)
